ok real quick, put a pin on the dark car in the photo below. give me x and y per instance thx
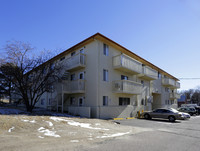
(164, 113)
(189, 110)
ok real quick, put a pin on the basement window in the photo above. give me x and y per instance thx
(124, 101)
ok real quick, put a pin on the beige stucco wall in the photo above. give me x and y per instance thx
(96, 88)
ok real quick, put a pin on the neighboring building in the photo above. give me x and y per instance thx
(102, 79)
(182, 100)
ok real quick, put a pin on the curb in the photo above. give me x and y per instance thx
(128, 118)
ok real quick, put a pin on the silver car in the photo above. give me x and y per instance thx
(170, 114)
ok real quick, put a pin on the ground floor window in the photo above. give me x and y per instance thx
(124, 101)
(105, 100)
(42, 101)
(81, 102)
(72, 100)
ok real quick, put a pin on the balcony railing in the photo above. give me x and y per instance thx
(127, 64)
(148, 73)
(126, 86)
(175, 96)
(170, 83)
(177, 85)
(77, 86)
(75, 62)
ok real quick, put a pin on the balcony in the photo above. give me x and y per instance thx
(127, 64)
(176, 86)
(75, 62)
(168, 82)
(148, 73)
(77, 86)
(175, 96)
(127, 87)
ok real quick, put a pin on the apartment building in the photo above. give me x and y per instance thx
(102, 79)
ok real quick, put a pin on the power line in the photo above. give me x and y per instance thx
(189, 78)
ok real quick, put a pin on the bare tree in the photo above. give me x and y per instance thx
(30, 76)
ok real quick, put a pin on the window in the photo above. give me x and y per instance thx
(142, 102)
(72, 100)
(105, 49)
(62, 58)
(80, 103)
(72, 77)
(49, 102)
(159, 75)
(124, 77)
(73, 53)
(105, 100)
(42, 101)
(81, 75)
(166, 89)
(82, 50)
(142, 82)
(124, 101)
(105, 75)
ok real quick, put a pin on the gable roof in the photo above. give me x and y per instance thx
(115, 45)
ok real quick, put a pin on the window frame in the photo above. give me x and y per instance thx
(105, 49)
(123, 101)
(105, 100)
(105, 75)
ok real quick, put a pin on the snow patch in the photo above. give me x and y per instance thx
(74, 141)
(48, 132)
(40, 136)
(73, 123)
(113, 135)
(33, 121)
(50, 123)
(10, 130)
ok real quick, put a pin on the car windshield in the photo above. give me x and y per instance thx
(174, 110)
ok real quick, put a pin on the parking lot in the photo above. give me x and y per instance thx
(157, 135)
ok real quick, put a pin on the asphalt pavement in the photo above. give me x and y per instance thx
(155, 135)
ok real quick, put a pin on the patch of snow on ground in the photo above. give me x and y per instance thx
(73, 123)
(40, 136)
(33, 121)
(112, 135)
(48, 132)
(85, 125)
(10, 130)
(50, 123)
(97, 124)
(74, 141)
(58, 119)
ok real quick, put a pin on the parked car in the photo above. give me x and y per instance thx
(186, 115)
(164, 113)
(189, 110)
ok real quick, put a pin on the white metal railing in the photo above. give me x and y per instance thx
(127, 62)
(74, 61)
(73, 86)
(150, 72)
(168, 81)
(126, 86)
(177, 84)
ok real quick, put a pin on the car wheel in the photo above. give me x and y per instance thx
(172, 118)
(147, 116)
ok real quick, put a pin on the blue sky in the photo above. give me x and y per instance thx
(164, 32)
